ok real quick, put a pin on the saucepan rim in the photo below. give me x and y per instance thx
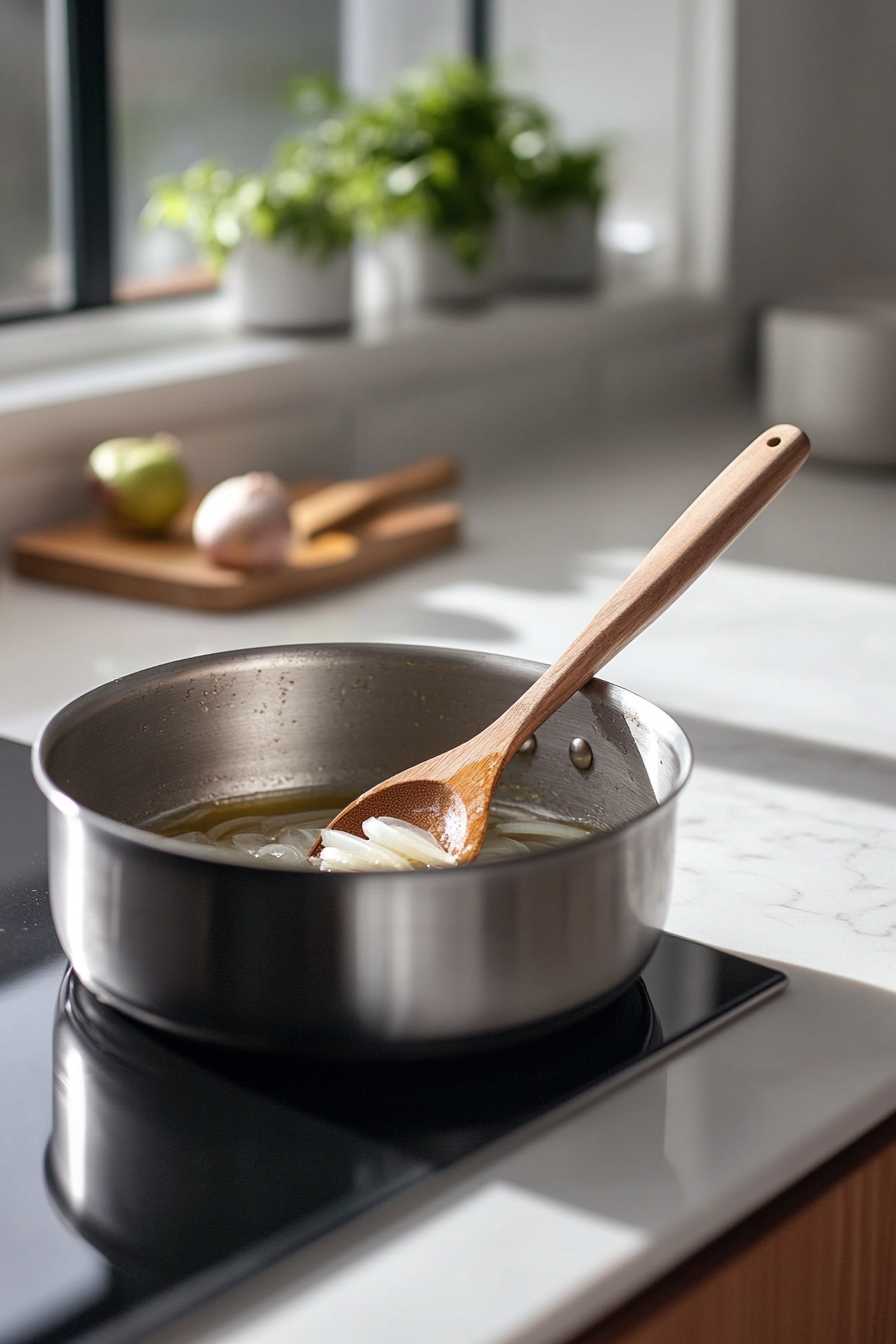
(55, 727)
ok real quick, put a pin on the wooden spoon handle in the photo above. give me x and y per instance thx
(336, 503)
(701, 533)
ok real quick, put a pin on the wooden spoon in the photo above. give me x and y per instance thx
(345, 499)
(450, 794)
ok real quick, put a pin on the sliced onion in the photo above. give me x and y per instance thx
(338, 861)
(302, 837)
(539, 829)
(312, 821)
(363, 850)
(344, 860)
(392, 845)
(249, 842)
(496, 847)
(194, 838)
(225, 829)
(285, 854)
(413, 842)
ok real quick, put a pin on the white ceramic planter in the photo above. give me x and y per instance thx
(409, 269)
(832, 371)
(443, 280)
(276, 287)
(553, 250)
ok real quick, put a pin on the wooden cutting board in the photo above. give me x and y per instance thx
(169, 569)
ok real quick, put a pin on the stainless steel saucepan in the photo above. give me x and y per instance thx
(214, 946)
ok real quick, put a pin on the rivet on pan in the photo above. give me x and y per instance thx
(580, 753)
(528, 747)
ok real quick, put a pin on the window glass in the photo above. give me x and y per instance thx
(196, 79)
(33, 264)
(611, 70)
(381, 38)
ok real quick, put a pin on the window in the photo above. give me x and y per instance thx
(34, 261)
(383, 37)
(195, 79)
(99, 96)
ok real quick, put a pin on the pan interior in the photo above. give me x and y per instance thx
(339, 719)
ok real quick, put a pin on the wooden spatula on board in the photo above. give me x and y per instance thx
(346, 499)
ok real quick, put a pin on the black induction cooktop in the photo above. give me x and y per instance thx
(140, 1174)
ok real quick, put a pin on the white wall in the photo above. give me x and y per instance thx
(873, 162)
(814, 201)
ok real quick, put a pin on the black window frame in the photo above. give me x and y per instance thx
(90, 139)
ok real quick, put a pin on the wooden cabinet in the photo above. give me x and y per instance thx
(817, 1266)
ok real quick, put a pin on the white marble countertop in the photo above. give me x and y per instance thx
(786, 681)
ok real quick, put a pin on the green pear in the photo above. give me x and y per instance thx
(142, 482)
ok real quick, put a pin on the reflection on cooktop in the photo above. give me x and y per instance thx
(167, 1166)
(173, 1158)
(435, 1111)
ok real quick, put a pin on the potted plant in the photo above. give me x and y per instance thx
(428, 167)
(549, 225)
(284, 235)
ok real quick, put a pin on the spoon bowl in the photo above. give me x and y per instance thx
(438, 805)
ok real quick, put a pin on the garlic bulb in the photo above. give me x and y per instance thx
(243, 523)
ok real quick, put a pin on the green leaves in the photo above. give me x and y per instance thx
(553, 178)
(444, 149)
(539, 172)
(430, 153)
(448, 146)
(298, 198)
(204, 202)
(312, 97)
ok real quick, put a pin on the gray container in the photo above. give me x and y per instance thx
(549, 250)
(214, 946)
(832, 369)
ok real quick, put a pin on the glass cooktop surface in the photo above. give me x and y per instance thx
(140, 1174)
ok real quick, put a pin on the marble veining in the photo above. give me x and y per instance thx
(790, 873)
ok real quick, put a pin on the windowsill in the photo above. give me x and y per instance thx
(78, 356)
